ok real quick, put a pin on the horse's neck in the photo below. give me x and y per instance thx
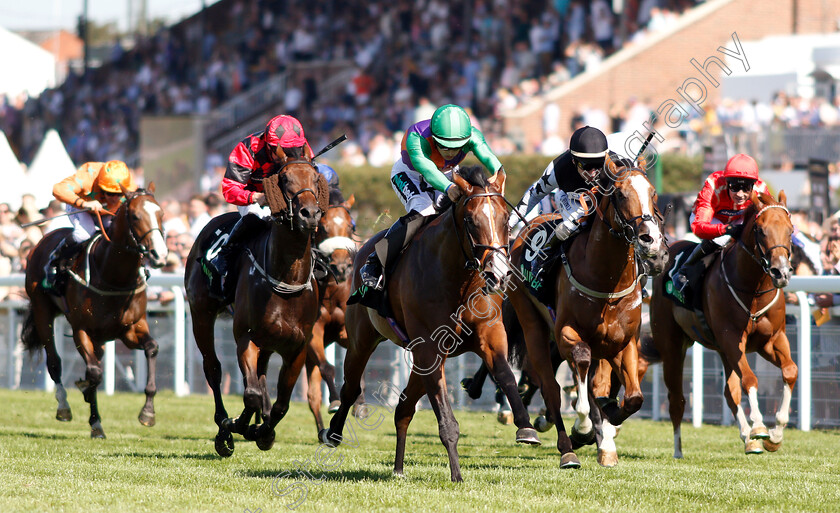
(441, 243)
(114, 260)
(609, 259)
(743, 271)
(289, 253)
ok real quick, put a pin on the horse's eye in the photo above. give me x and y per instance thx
(135, 217)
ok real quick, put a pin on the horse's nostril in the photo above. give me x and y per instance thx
(646, 239)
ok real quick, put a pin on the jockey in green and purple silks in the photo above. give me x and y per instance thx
(428, 147)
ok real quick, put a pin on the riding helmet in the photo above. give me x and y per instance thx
(284, 131)
(741, 166)
(589, 146)
(114, 173)
(451, 126)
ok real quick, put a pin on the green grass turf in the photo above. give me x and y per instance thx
(48, 466)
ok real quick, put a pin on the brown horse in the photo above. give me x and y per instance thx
(745, 312)
(598, 310)
(443, 293)
(105, 300)
(275, 302)
(334, 239)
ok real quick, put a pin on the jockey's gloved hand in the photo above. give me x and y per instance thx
(93, 206)
(453, 192)
(734, 230)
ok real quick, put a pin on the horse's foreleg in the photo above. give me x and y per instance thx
(493, 350)
(248, 355)
(737, 359)
(780, 357)
(403, 414)
(137, 338)
(289, 373)
(317, 356)
(732, 393)
(626, 367)
(93, 377)
(205, 340)
(581, 355)
(313, 390)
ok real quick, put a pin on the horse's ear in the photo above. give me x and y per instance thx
(498, 181)
(125, 191)
(151, 187)
(756, 200)
(461, 182)
(783, 198)
(350, 201)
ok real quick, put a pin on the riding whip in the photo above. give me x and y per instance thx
(339, 140)
(44, 220)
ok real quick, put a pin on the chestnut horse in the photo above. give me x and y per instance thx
(443, 293)
(745, 311)
(275, 302)
(104, 300)
(598, 310)
(334, 240)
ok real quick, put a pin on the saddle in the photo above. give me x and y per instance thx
(540, 262)
(692, 296)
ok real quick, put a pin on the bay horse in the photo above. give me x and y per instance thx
(335, 240)
(444, 294)
(744, 310)
(275, 301)
(104, 300)
(597, 312)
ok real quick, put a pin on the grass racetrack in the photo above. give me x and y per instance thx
(52, 466)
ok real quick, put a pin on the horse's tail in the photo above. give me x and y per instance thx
(28, 334)
(648, 349)
(516, 337)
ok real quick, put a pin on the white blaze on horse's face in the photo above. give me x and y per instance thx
(496, 264)
(158, 251)
(643, 190)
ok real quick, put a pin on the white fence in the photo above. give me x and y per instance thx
(391, 365)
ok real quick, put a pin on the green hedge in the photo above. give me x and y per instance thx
(377, 206)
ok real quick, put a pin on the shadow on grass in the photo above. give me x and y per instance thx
(172, 456)
(333, 475)
(51, 436)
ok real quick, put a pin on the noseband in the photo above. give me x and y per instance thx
(287, 214)
(136, 246)
(628, 229)
(473, 263)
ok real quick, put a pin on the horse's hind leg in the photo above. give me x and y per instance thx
(403, 414)
(780, 357)
(317, 356)
(92, 355)
(204, 339)
(582, 431)
(138, 338)
(43, 326)
(472, 386)
(625, 367)
(313, 389)
(435, 383)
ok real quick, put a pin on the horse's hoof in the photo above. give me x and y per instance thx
(224, 444)
(266, 442)
(771, 446)
(607, 458)
(759, 433)
(505, 418)
(324, 438)
(399, 474)
(542, 424)
(753, 447)
(227, 424)
(147, 419)
(64, 415)
(333, 407)
(579, 439)
(528, 436)
(97, 432)
(251, 433)
(361, 411)
(82, 384)
(569, 460)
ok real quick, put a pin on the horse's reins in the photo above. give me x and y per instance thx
(763, 262)
(473, 263)
(85, 282)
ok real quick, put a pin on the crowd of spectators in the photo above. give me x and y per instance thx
(506, 51)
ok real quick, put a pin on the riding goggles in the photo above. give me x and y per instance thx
(740, 184)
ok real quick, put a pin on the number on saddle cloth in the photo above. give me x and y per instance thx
(539, 262)
(211, 245)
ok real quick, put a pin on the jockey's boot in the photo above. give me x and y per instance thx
(398, 236)
(705, 248)
(247, 226)
(55, 267)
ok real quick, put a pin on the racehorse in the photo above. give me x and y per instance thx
(334, 240)
(597, 310)
(275, 300)
(104, 300)
(744, 309)
(443, 295)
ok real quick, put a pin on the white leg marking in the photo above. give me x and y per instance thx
(755, 413)
(776, 434)
(743, 423)
(678, 443)
(608, 441)
(61, 396)
(583, 424)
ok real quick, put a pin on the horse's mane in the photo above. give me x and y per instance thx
(474, 175)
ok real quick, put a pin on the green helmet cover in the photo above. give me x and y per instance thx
(451, 126)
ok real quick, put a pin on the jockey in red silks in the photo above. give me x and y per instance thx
(249, 163)
(718, 211)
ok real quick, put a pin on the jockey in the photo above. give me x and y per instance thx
(576, 169)
(250, 161)
(428, 147)
(718, 210)
(93, 188)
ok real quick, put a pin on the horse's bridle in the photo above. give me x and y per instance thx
(628, 229)
(759, 253)
(473, 263)
(136, 246)
(287, 214)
